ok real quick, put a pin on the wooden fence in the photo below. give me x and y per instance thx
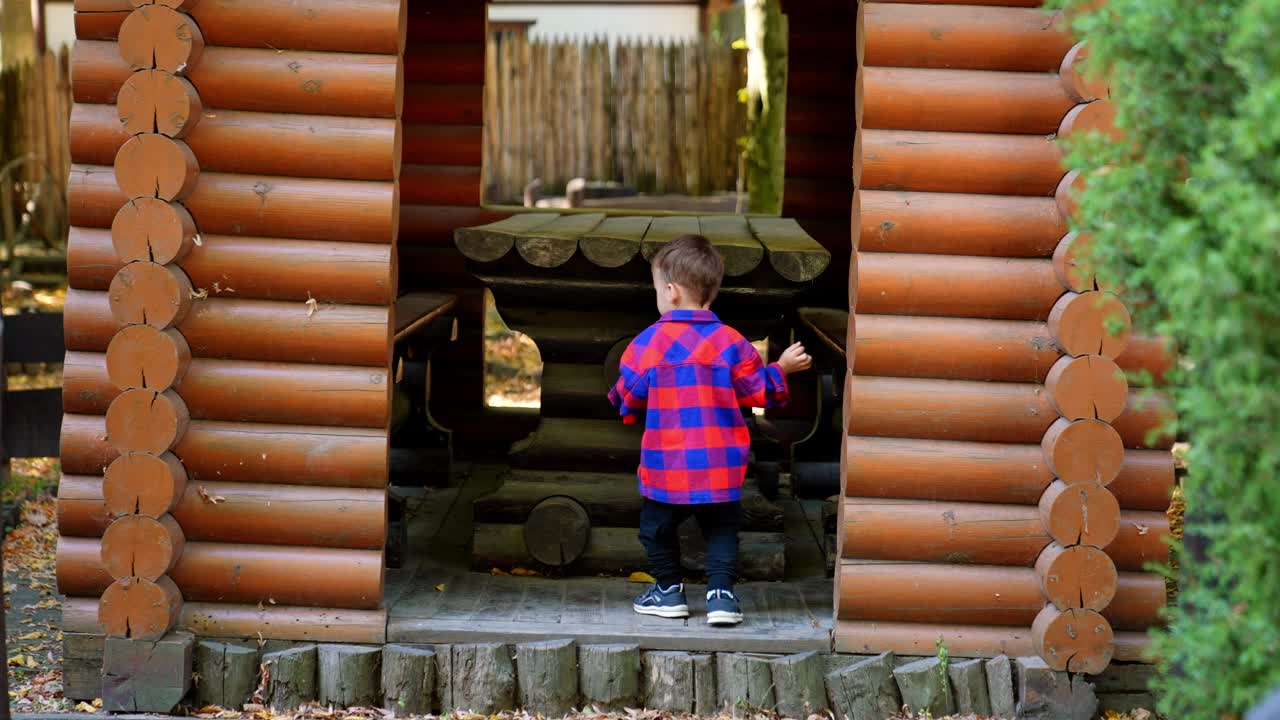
(35, 160)
(660, 117)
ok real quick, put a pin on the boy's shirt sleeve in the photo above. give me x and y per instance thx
(757, 384)
(631, 393)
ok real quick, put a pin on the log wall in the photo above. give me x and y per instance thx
(993, 441)
(234, 197)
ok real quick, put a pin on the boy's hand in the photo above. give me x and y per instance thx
(794, 359)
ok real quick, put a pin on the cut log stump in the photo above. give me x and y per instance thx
(609, 676)
(548, 677)
(484, 678)
(146, 676)
(969, 687)
(349, 675)
(228, 674)
(798, 685)
(865, 690)
(1000, 686)
(706, 690)
(668, 681)
(291, 677)
(925, 687)
(408, 679)
(746, 681)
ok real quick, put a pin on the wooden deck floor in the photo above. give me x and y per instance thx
(474, 607)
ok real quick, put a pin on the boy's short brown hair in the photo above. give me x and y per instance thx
(692, 262)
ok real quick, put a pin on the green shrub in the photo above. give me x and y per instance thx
(1188, 214)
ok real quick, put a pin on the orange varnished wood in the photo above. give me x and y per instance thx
(133, 607)
(1074, 640)
(246, 391)
(980, 533)
(953, 348)
(141, 546)
(1078, 576)
(149, 101)
(253, 268)
(956, 286)
(314, 146)
(952, 162)
(963, 101)
(158, 37)
(987, 472)
(141, 420)
(959, 224)
(265, 206)
(1080, 514)
(355, 84)
(251, 330)
(969, 37)
(243, 573)
(244, 512)
(139, 356)
(233, 452)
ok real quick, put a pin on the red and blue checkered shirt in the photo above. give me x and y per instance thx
(690, 376)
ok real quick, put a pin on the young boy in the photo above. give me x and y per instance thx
(689, 375)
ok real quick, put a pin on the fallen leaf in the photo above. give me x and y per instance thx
(440, 587)
(97, 702)
(31, 636)
(1142, 529)
(498, 571)
(311, 304)
(200, 294)
(523, 572)
(209, 499)
(18, 661)
(641, 577)
(85, 707)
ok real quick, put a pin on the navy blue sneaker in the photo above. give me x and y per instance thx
(668, 603)
(723, 608)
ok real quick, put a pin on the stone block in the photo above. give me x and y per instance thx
(925, 687)
(865, 690)
(969, 687)
(999, 671)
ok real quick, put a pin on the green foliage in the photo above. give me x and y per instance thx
(1188, 214)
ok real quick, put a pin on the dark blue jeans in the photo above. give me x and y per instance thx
(660, 535)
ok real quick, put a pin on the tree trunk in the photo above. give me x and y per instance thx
(766, 104)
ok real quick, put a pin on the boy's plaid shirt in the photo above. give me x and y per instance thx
(690, 375)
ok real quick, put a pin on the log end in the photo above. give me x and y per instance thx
(1081, 514)
(1083, 451)
(154, 165)
(158, 36)
(147, 293)
(140, 356)
(144, 484)
(141, 546)
(1073, 640)
(140, 609)
(1081, 576)
(152, 230)
(1090, 323)
(1090, 387)
(146, 421)
(154, 101)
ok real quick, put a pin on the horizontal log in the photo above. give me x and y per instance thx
(974, 411)
(440, 184)
(263, 80)
(253, 268)
(440, 104)
(983, 534)
(268, 206)
(273, 622)
(443, 144)
(433, 225)
(956, 286)
(573, 444)
(953, 162)
(250, 330)
(258, 143)
(1149, 355)
(945, 470)
(974, 595)
(616, 551)
(963, 101)
(244, 452)
(243, 391)
(953, 348)
(974, 38)
(958, 224)
(259, 513)
(1146, 423)
(361, 26)
(869, 637)
(240, 573)
(610, 499)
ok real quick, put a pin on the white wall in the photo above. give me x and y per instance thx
(614, 21)
(59, 22)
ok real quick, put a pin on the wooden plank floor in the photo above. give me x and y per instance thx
(450, 607)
